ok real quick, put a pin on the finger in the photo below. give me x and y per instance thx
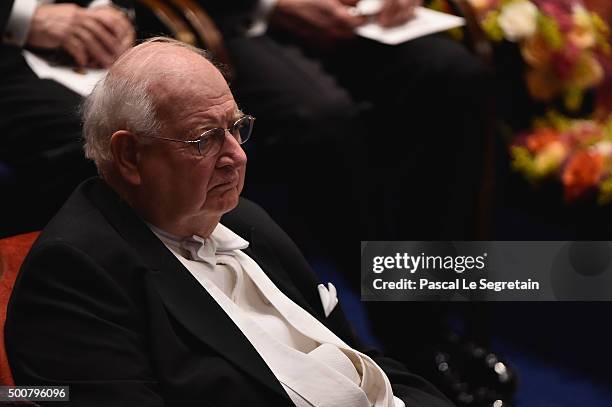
(400, 18)
(114, 20)
(344, 23)
(388, 12)
(402, 11)
(127, 42)
(76, 49)
(129, 39)
(126, 30)
(351, 3)
(407, 10)
(412, 6)
(94, 47)
(102, 34)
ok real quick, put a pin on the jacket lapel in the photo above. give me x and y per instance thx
(264, 256)
(184, 297)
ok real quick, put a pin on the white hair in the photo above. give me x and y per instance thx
(117, 103)
(123, 101)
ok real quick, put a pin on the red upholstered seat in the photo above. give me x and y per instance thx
(12, 252)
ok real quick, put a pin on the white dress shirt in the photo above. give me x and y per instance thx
(314, 366)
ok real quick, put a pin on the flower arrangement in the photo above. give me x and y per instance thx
(579, 152)
(559, 41)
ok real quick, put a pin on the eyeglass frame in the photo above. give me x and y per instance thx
(203, 136)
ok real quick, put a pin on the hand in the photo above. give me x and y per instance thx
(93, 37)
(314, 18)
(117, 22)
(396, 12)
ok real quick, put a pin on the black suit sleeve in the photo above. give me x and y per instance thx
(69, 323)
(410, 388)
(5, 11)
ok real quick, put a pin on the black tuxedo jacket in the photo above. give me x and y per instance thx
(6, 51)
(5, 10)
(102, 306)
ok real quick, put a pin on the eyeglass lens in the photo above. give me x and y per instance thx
(241, 130)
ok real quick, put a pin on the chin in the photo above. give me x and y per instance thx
(233, 203)
(227, 201)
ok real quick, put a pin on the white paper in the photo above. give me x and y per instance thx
(425, 22)
(81, 83)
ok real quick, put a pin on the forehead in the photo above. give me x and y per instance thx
(200, 102)
(183, 82)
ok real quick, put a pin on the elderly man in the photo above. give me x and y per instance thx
(136, 294)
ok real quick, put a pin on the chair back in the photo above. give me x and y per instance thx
(12, 252)
(186, 21)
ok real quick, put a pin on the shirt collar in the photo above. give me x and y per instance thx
(221, 241)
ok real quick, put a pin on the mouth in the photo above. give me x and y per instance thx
(227, 184)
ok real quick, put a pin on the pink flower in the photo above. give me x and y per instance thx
(560, 10)
(565, 5)
(584, 131)
(564, 61)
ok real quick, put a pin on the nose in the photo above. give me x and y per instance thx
(232, 153)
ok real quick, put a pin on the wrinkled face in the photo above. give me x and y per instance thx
(182, 187)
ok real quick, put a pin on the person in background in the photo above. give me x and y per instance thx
(405, 122)
(40, 152)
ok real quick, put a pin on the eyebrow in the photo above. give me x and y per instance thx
(238, 113)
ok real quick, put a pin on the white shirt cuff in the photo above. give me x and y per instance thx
(99, 3)
(18, 25)
(398, 402)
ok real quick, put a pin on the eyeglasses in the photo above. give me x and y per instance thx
(210, 142)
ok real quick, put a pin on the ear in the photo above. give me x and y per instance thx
(124, 148)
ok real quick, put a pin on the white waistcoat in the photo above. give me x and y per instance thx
(315, 367)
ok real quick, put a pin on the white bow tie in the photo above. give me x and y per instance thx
(200, 249)
(221, 241)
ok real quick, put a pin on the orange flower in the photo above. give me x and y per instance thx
(542, 85)
(582, 172)
(536, 52)
(588, 72)
(540, 139)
